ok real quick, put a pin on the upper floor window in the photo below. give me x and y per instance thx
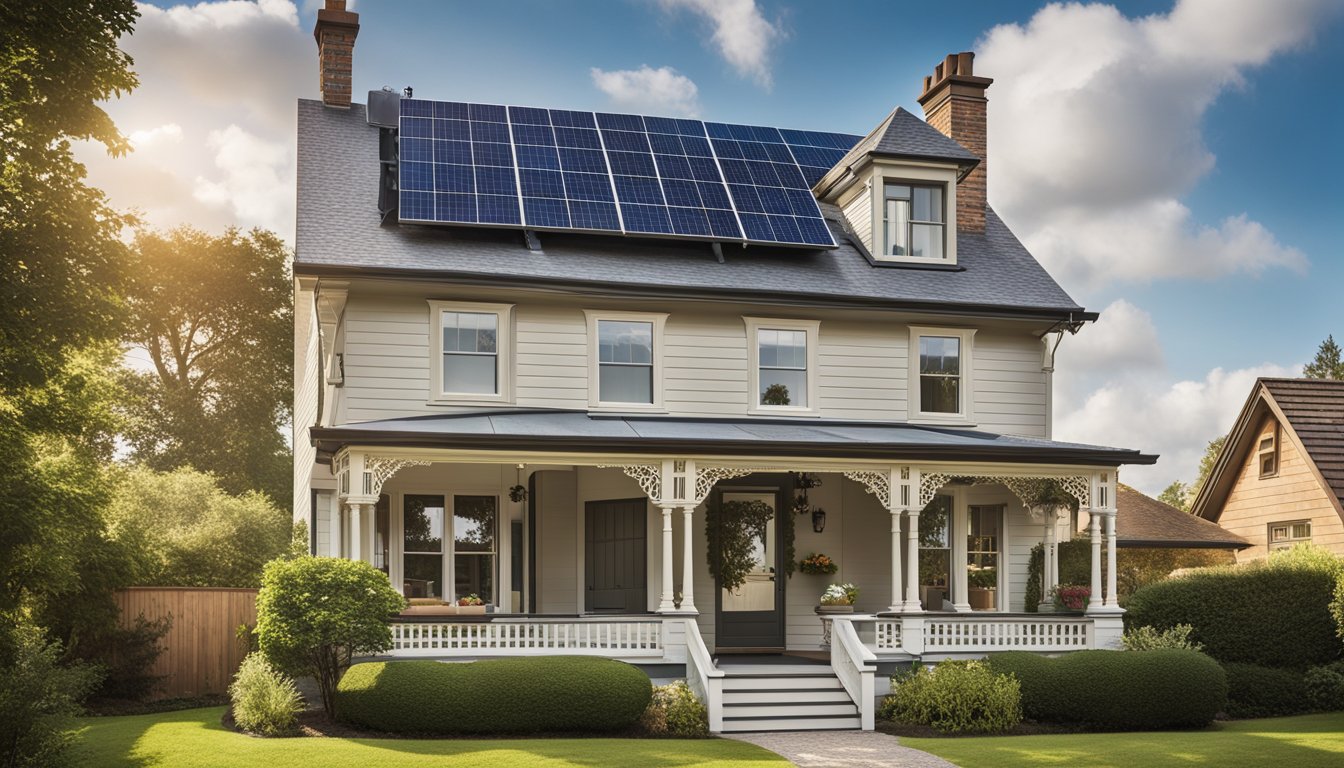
(624, 353)
(913, 221)
(469, 351)
(1267, 454)
(1287, 535)
(940, 381)
(784, 365)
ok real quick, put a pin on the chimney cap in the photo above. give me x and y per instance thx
(334, 15)
(956, 69)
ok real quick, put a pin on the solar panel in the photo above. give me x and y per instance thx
(552, 169)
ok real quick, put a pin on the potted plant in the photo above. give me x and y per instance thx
(982, 583)
(838, 598)
(1070, 597)
(817, 563)
(471, 605)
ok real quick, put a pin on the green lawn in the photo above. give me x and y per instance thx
(194, 738)
(1285, 742)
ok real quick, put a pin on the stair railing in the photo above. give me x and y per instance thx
(855, 665)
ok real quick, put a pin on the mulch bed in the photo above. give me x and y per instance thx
(316, 723)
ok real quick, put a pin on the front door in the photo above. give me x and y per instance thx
(750, 616)
(614, 556)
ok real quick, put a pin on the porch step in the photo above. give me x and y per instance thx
(785, 698)
(828, 723)
(811, 681)
(770, 696)
(777, 709)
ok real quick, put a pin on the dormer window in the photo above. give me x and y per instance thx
(1267, 454)
(913, 221)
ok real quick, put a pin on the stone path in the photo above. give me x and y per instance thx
(842, 749)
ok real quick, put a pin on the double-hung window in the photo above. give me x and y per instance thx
(1288, 535)
(474, 528)
(433, 568)
(624, 353)
(783, 367)
(940, 374)
(469, 352)
(913, 221)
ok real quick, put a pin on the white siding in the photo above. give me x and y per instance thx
(306, 382)
(557, 548)
(863, 370)
(1010, 388)
(858, 213)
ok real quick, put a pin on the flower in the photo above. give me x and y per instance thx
(472, 599)
(1070, 596)
(818, 563)
(840, 594)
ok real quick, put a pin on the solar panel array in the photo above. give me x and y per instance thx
(556, 169)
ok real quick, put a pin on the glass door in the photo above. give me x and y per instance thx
(984, 524)
(935, 553)
(750, 612)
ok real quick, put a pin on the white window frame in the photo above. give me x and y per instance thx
(917, 175)
(1273, 450)
(659, 321)
(1289, 541)
(813, 330)
(397, 534)
(503, 353)
(917, 414)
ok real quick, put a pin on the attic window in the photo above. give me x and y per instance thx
(1287, 535)
(1267, 454)
(913, 221)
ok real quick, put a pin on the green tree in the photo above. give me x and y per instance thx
(1327, 363)
(1177, 495)
(1206, 463)
(214, 315)
(315, 613)
(39, 698)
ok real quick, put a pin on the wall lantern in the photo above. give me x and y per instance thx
(818, 519)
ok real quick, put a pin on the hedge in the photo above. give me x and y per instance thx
(1271, 613)
(1123, 690)
(1256, 691)
(1135, 567)
(518, 695)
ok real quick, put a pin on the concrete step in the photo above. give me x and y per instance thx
(781, 709)
(770, 696)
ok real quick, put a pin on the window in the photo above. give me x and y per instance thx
(625, 370)
(1267, 453)
(469, 352)
(433, 569)
(913, 219)
(934, 553)
(940, 384)
(1286, 535)
(784, 365)
(474, 526)
(982, 555)
(422, 546)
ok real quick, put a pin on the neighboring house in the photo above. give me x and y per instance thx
(1143, 522)
(533, 345)
(1279, 479)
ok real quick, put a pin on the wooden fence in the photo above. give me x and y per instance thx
(201, 651)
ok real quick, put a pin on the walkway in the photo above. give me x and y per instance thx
(842, 749)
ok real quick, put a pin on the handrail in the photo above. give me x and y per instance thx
(615, 639)
(704, 679)
(855, 665)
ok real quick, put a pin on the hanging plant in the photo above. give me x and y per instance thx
(733, 529)
(1049, 493)
(518, 494)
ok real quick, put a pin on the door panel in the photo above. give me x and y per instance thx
(614, 556)
(752, 615)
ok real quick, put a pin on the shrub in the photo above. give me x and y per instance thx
(1134, 690)
(1273, 613)
(1337, 606)
(519, 695)
(675, 711)
(315, 613)
(1150, 639)
(1256, 691)
(39, 698)
(127, 656)
(955, 697)
(1135, 568)
(1325, 686)
(265, 701)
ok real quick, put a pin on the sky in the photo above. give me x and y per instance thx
(1174, 164)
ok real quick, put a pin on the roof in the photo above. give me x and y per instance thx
(554, 430)
(1309, 411)
(1142, 521)
(339, 233)
(903, 135)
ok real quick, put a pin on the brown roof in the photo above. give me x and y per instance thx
(1142, 521)
(1315, 410)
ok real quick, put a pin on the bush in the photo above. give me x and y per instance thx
(1325, 686)
(1125, 690)
(1256, 691)
(675, 711)
(1337, 606)
(127, 656)
(955, 697)
(1150, 639)
(39, 698)
(552, 694)
(265, 701)
(315, 613)
(1273, 613)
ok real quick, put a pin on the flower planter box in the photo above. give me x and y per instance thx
(423, 607)
(835, 609)
(981, 599)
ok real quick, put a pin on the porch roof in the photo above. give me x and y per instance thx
(554, 430)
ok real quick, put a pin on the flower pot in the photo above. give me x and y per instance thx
(835, 609)
(981, 598)
(470, 610)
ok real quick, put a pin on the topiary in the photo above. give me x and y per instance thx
(675, 711)
(265, 701)
(548, 694)
(955, 697)
(1256, 691)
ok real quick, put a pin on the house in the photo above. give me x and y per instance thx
(539, 350)
(1143, 522)
(1279, 478)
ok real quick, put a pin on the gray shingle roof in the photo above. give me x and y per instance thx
(1315, 410)
(902, 135)
(338, 230)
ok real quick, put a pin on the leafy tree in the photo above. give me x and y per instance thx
(1177, 495)
(1327, 363)
(315, 613)
(1206, 463)
(214, 315)
(186, 531)
(39, 697)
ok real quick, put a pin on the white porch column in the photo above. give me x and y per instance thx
(958, 525)
(687, 561)
(1112, 602)
(666, 604)
(896, 604)
(1094, 602)
(912, 563)
(1049, 562)
(356, 531)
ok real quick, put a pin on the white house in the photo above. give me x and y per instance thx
(533, 345)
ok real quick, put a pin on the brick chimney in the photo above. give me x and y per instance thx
(954, 103)
(335, 34)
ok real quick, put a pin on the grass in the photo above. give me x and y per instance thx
(194, 738)
(1297, 742)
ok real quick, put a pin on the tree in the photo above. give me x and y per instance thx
(1327, 363)
(1206, 463)
(315, 613)
(39, 697)
(214, 315)
(1177, 495)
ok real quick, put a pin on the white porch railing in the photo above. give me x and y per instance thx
(524, 636)
(703, 678)
(854, 664)
(957, 633)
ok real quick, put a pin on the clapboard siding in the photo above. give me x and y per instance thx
(1010, 388)
(858, 214)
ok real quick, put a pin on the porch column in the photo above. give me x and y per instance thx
(912, 563)
(356, 530)
(687, 561)
(958, 526)
(1094, 602)
(896, 605)
(1049, 562)
(666, 604)
(1112, 603)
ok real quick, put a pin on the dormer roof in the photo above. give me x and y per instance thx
(901, 136)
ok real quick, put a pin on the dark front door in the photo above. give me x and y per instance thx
(751, 615)
(614, 549)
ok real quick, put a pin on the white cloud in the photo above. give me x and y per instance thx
(1104, 115)
(1125, 338)
(662, 91)
(168, 132)
(256, 181)
(741, 33)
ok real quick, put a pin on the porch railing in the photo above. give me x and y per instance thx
(704, 679)
(982, 633)
(855, 665)
(523, 636)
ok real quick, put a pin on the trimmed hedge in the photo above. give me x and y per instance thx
(1325, 687)
(1123, 690)
(1273, 613)
(1256, 691)
(522, 695)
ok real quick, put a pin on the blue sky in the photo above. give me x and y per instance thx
(1175, 165)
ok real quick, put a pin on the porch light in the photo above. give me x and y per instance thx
(818, 519)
